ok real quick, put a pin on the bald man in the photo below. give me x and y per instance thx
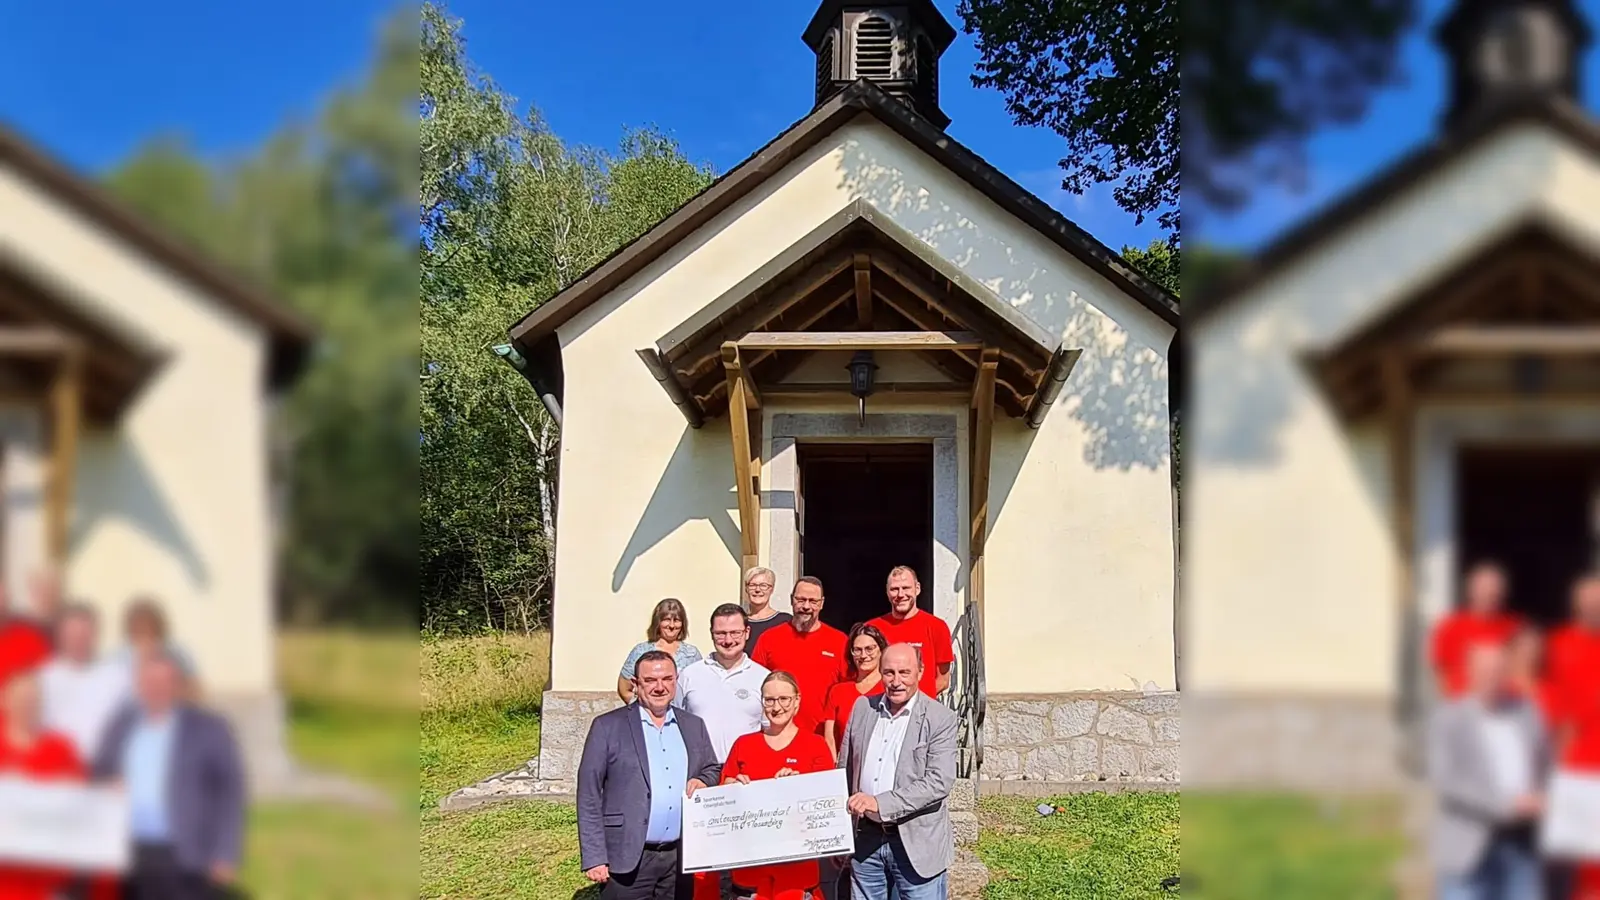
(899, 757)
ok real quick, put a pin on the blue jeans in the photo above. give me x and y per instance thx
(1509, 870)
(880, 871)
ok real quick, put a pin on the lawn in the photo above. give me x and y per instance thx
(352, 703)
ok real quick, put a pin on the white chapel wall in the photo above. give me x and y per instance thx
(174, 502)
(1080, 566)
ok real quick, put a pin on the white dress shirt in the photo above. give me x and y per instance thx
(80, 701)
(1510, 754)
(728, 699)
(883, 751)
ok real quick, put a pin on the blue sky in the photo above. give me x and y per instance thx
(227, 74)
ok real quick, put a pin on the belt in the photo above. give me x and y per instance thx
(660, 845)
(880, 827)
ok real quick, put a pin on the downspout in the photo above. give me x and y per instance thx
(1054, 377)
(514, 357)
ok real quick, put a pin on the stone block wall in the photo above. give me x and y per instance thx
(563, 724)
(1101, 736)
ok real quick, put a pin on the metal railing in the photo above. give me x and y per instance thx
(967, 693)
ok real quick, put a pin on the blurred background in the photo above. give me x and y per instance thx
(1389, 299)
(253, 472)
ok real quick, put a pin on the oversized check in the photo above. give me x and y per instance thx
(68, 826)
(768, 821)
(1571, 826)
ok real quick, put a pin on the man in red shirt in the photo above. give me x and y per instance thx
(1481, 617)
(25, 643)
(906, 624)
(1573, 674)
(813, 652)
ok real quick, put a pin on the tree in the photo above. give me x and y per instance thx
(1257, 78)
(508, 215)
(318, 215)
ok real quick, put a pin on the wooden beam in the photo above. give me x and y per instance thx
(1486, 340)
(943, 390)
(982, 444)
(1398, 407)
(860, 340)
(743, 453)
(1026, 354)
(34, 341)
(863, 266)
(66, 409)
(779, 300)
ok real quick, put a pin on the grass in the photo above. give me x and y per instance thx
(352, 705)
(1285, 847)
(1097, 845)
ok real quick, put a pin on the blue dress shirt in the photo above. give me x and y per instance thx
(148, 760)
(669, 774)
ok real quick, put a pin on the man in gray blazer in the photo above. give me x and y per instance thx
(181, 769)
(1487, 764)
(639, 763)
(899, 757)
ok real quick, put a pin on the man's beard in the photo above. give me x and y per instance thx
(805, 619)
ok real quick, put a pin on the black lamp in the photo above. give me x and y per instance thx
(862, 370)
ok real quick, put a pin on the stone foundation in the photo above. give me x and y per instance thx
(259, 723)
(1322, 744)
(1098, 736)
(564, 721)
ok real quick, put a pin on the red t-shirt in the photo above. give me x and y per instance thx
(50, 758)
(23, 645)
(1573, 672)
(751, 757)
(1455, 634)
(816, 659)
(842, 699)
(930, 635)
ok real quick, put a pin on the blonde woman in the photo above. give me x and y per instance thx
(669, 633)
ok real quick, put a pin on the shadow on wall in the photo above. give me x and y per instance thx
(115, 483)
(1118, 389)
(697, 484)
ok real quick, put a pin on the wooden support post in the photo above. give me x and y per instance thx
(1399, 407)
(743, 455)
(66, 403)
(863, 266)
(982, 443)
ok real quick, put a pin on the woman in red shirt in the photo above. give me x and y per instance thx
(778, 750)
(28, 751)
(866, 647)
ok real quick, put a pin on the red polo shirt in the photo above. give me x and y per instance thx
(1455, 634)
(23, 645)
(929, 634)
(842, 699)
(816, 659)
(1573, 667)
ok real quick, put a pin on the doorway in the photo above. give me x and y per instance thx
(864, 509)
(1533, 511)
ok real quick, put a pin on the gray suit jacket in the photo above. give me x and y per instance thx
(924, 774)
(1470, 805)
(614, 784)
(205, 785)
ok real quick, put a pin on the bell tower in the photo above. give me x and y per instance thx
(895, 45)
(1510, 50)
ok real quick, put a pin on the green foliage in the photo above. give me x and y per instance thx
(1159, 263)
(317, 215)
(1257, 78)
(508, 215)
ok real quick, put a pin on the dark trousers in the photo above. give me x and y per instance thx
(156, 876)
(656, 878)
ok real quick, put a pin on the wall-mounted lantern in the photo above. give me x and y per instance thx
(862, 372)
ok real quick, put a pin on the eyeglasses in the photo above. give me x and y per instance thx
(759, 588)
(728, 634)
(778, 701)
(864, 651)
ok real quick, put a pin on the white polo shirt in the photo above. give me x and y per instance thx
(729, 700)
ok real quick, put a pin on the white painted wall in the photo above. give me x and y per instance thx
(1289, 569)
(174, 502)
(1080, 571)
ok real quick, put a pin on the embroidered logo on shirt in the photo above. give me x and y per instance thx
(792, 761)
(742, 693)
(827, 653)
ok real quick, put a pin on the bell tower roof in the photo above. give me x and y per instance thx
(1503, 51)
(895, 45)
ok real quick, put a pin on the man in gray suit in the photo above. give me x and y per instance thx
(639, 763)
(899, 757)
(1487, 762)
(181, 770)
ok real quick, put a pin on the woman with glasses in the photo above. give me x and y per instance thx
(778, 750)
(759, 585)
(30, 752)
(669, 633)
(866, 645)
